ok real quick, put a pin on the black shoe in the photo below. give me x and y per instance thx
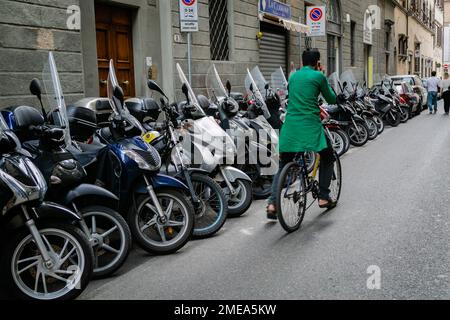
(271, 215)
(330, 204)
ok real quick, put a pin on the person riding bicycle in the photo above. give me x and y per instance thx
(302, 130)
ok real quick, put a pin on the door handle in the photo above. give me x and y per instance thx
(103, 82)
(126, 82)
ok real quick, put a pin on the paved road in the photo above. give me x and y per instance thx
(393, 214)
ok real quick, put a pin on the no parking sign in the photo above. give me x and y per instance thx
(316, 19)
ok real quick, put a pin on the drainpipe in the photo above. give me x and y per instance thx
(165, 14)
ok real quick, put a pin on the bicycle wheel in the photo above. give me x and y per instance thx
(336, 180)
(291, 197)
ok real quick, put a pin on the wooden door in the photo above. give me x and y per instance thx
(114, 41)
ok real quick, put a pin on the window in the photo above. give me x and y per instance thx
(331, 57)
(333, 11)
(417, 58)
(352, 43)
(387, 36)
(387, 63)
(218, 30)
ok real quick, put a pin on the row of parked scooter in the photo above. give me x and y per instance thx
(79, 182)
(363, 115)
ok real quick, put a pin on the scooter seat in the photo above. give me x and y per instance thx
(332, 109)
(105, 133)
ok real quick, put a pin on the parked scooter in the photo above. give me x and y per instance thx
(346, 115)
(50, 147)
(207, 196)
(160, 216)
(354, 92)
(216, 149)
(43, 255)
(253, 157)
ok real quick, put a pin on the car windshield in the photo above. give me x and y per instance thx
(408, 80)
(55, 95)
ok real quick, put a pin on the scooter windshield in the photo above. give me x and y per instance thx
(279, 83)
(335, 83)
(259, 78)
(55, 96)
(112, 83)
(352, 84)
(192, 97)
(214, 84)
(118, 107)
(252, 89)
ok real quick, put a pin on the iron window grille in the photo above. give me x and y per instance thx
(218, 30)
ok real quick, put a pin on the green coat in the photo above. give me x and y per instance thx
(302, 129)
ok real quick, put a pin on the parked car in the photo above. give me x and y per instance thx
(406, 91)
(417, 85)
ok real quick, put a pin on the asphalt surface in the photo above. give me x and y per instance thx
(393, 214)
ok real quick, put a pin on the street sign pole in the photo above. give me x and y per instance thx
(189, 56)
(189, 24)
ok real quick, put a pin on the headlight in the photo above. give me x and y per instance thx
(142, 164)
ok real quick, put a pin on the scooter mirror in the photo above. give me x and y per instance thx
(251, 87)
(228, 85)
(185, 91)
(344, 84)
(35, 88)
(118, 94)
(152, 85)
(266, 86)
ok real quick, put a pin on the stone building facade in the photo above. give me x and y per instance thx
(418, 33)
(144, 39)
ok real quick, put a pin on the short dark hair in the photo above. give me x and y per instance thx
(310, 57)
(433, 73)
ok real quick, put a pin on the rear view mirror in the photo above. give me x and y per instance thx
(185, 91)
(152, 85)
(118, 94)
(35, 88)
(266, 86)
(228, 85)
(251, 87)
(344, 84)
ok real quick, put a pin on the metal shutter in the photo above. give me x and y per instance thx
(272, 53)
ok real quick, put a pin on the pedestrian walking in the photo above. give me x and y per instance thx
(432, 86)
(445, 92)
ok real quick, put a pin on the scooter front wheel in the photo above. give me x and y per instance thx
(25, 273)
(157, 236)
(239, 203)
(110, 238)
(212, 211)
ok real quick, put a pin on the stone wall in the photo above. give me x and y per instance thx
(28, 30)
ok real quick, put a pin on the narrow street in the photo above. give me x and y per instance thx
(393, 214)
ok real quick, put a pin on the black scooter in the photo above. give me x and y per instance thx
(106, 229)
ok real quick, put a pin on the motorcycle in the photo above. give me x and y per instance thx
(160, 216)
(50, 147)
(346, 116)
(43, 255)
(208, 198)
(384, 104)
(252, 157)
(355, 92)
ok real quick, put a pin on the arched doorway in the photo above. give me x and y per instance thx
(334, 34)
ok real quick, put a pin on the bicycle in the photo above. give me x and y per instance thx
(295, 183)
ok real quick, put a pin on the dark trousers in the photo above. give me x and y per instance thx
(446, 96)
(327, 159)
